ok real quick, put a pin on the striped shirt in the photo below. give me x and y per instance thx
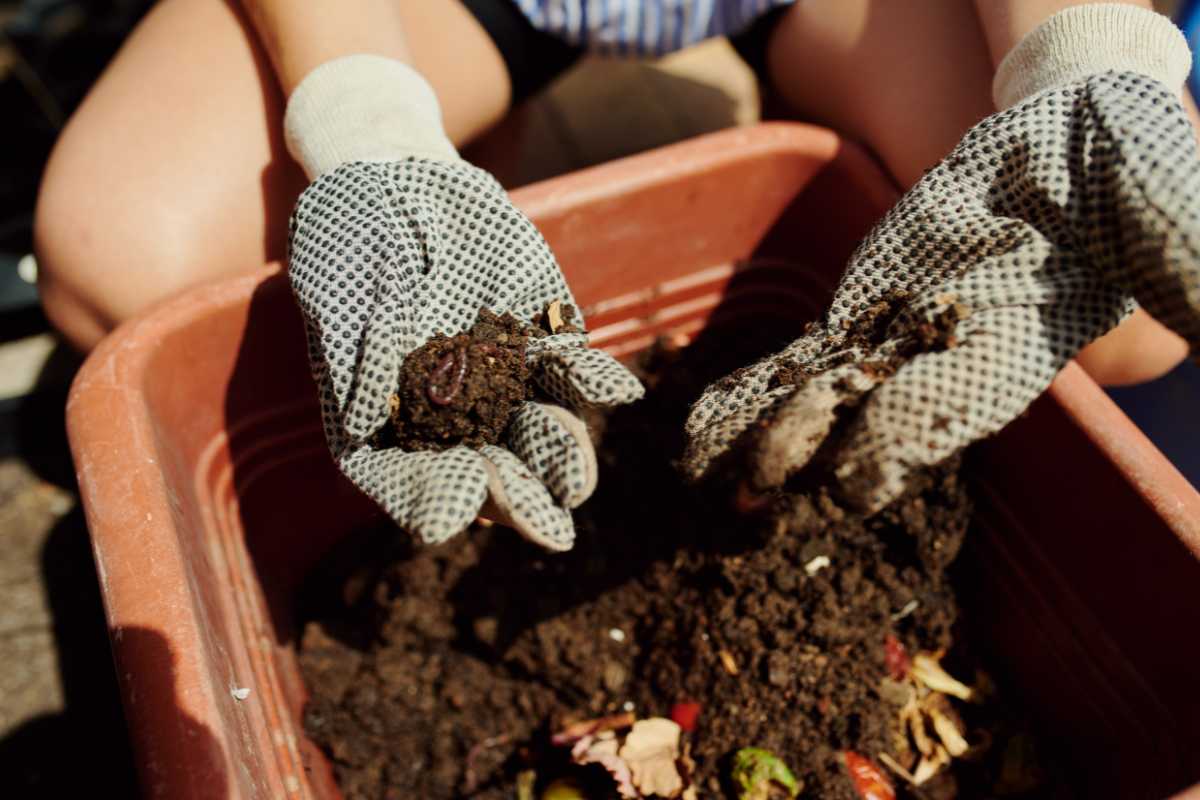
(643, 27)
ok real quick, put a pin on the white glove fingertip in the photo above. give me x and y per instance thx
(803, 421)
(712, 440)
(520, 501)
(432, 495)
(555, 445)
(586, 378)
(450, 495)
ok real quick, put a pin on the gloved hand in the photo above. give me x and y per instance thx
(398, 239)
(1031, 239)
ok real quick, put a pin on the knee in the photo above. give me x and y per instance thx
(68, 288)
(1138, 350)
(101, 259)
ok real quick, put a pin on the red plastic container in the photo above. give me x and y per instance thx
(209, 493)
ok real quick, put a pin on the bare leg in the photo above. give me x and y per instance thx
(173, 171)
(908, 80)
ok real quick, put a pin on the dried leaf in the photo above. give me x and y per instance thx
(755, 770)
(931, 765)
(911, 716)
(895, 657)
(554, 316)
(650, 750)
(896, 767)
(929, 672)
(947, 729)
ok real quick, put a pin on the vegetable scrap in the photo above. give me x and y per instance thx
(755, 771)
(602, 749)
(526, 779)
(577, 730)
(651, 749)
(648, 761)
(927, 670)
(563, 789)
(868, 779)
(896, 658)
(685, 713)
(930, 731)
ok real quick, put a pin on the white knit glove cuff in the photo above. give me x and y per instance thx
(1086, 40)
(363, 108)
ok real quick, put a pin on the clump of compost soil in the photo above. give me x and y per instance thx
(442, 672)
(462, 390)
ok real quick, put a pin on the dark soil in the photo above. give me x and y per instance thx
(462, 390)
(439, 672)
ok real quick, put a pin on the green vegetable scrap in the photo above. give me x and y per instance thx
(755, 770)
(563, 789)
(525, 781)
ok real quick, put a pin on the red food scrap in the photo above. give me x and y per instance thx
(685, 713)
(868, 779)
(896, 657)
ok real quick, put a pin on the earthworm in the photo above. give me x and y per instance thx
(444, 367)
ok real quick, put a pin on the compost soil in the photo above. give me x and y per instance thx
(462, 390)
(440, 672)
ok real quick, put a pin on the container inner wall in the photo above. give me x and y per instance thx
(1103, 644)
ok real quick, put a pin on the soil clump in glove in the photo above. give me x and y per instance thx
(462, 390)
(443, 672)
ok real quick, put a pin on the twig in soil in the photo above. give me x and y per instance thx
(896, 767)
(470, 780)
(908, 608)
(577, 730)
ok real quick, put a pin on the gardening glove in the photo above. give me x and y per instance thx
(398, 239)
(1032, 238)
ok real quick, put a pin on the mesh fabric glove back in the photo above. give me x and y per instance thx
(1032, 238)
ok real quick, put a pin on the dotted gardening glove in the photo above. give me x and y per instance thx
(1034, 237)
(396, 240)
